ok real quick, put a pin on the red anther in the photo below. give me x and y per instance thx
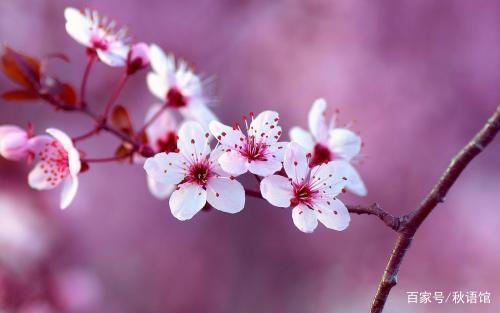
(244, 117)
(251, 114)
(223, 134)
(192, 141)
(207, 135)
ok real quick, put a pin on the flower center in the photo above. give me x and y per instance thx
(175, 98)
(254, 151)
(303, 194)
(199, 173)
(54, 162)
(99, 42)
(321, 154)
(168, 143)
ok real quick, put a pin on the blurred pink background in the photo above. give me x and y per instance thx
(419, 78)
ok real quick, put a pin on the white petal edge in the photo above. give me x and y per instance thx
(225, 194)
(68, 193)
(277, 190)
(303, 138)
(187, 200)
(304, 218)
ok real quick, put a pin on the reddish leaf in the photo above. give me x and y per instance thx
(19, 95)
(123, 151)
(121, 119)
(68, 94)
(21, 68)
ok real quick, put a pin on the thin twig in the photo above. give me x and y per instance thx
(413, 220)
(114, 95)
(85, 78)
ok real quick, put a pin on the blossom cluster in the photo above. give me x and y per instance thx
(189, 156)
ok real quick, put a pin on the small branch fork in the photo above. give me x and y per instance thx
(413, 220)
(407, 225)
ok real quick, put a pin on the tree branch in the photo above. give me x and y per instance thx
(413, 220)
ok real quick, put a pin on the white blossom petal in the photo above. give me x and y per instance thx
(77, 26)
(303, 138)
(187, 200)
(193, 141)
(277, 190)
(233, 162)
(265, 126)
(304, 218)
(328, 177)
(67, 144)
(164, 124)
(114, 57)
(344, 143)
(295, 162)
(165, 168)
(157, 85)
(70, 187)
(333, 214)
(159, 190)
(226, 135)
(277, 150)
(225, 194)
(354, 182)
(198, 111)
(38, 178)
(159, 61)
(317, 121)
(265, 168)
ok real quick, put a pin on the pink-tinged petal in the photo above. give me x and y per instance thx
(8, 129)
(233, 163)
(138, 56)
(166, 168)
(187, 200)
(344, 143)
(328, 178)
(227, 136)
(277, 151)
(198, 111)
(265, 168)
(354, 183)
(265, 126)
(14, 145)
(114, 57)
(40, 179)
(317, 121)
(193, 141)
(295, 162)
(77, 26)
(67, 144)
(303, 138)
(70, 187)
(304, 218)
(158, 190)
(333, 214)
(225, 194)
(164, 124)
(159, 61)
(35, 144)
(277, 190)
(157, 85)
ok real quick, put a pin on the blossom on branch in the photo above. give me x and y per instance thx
(178, 86)
(258, 151)
(59, 162)
(327, 143)
(138, 57)
(162, 137)
(197, 176)
(99, 35)
(311, 192)
(18, 144)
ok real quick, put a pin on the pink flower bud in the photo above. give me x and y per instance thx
(13, 142)
(138, 58)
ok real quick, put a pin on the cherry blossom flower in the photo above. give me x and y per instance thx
(138, 57)
(18, 144)
(258, 151)
(311, 192)
(99, 35)
(177, 85)
(327, 143)
(162, 137)
(59, 162)
(197, 176)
